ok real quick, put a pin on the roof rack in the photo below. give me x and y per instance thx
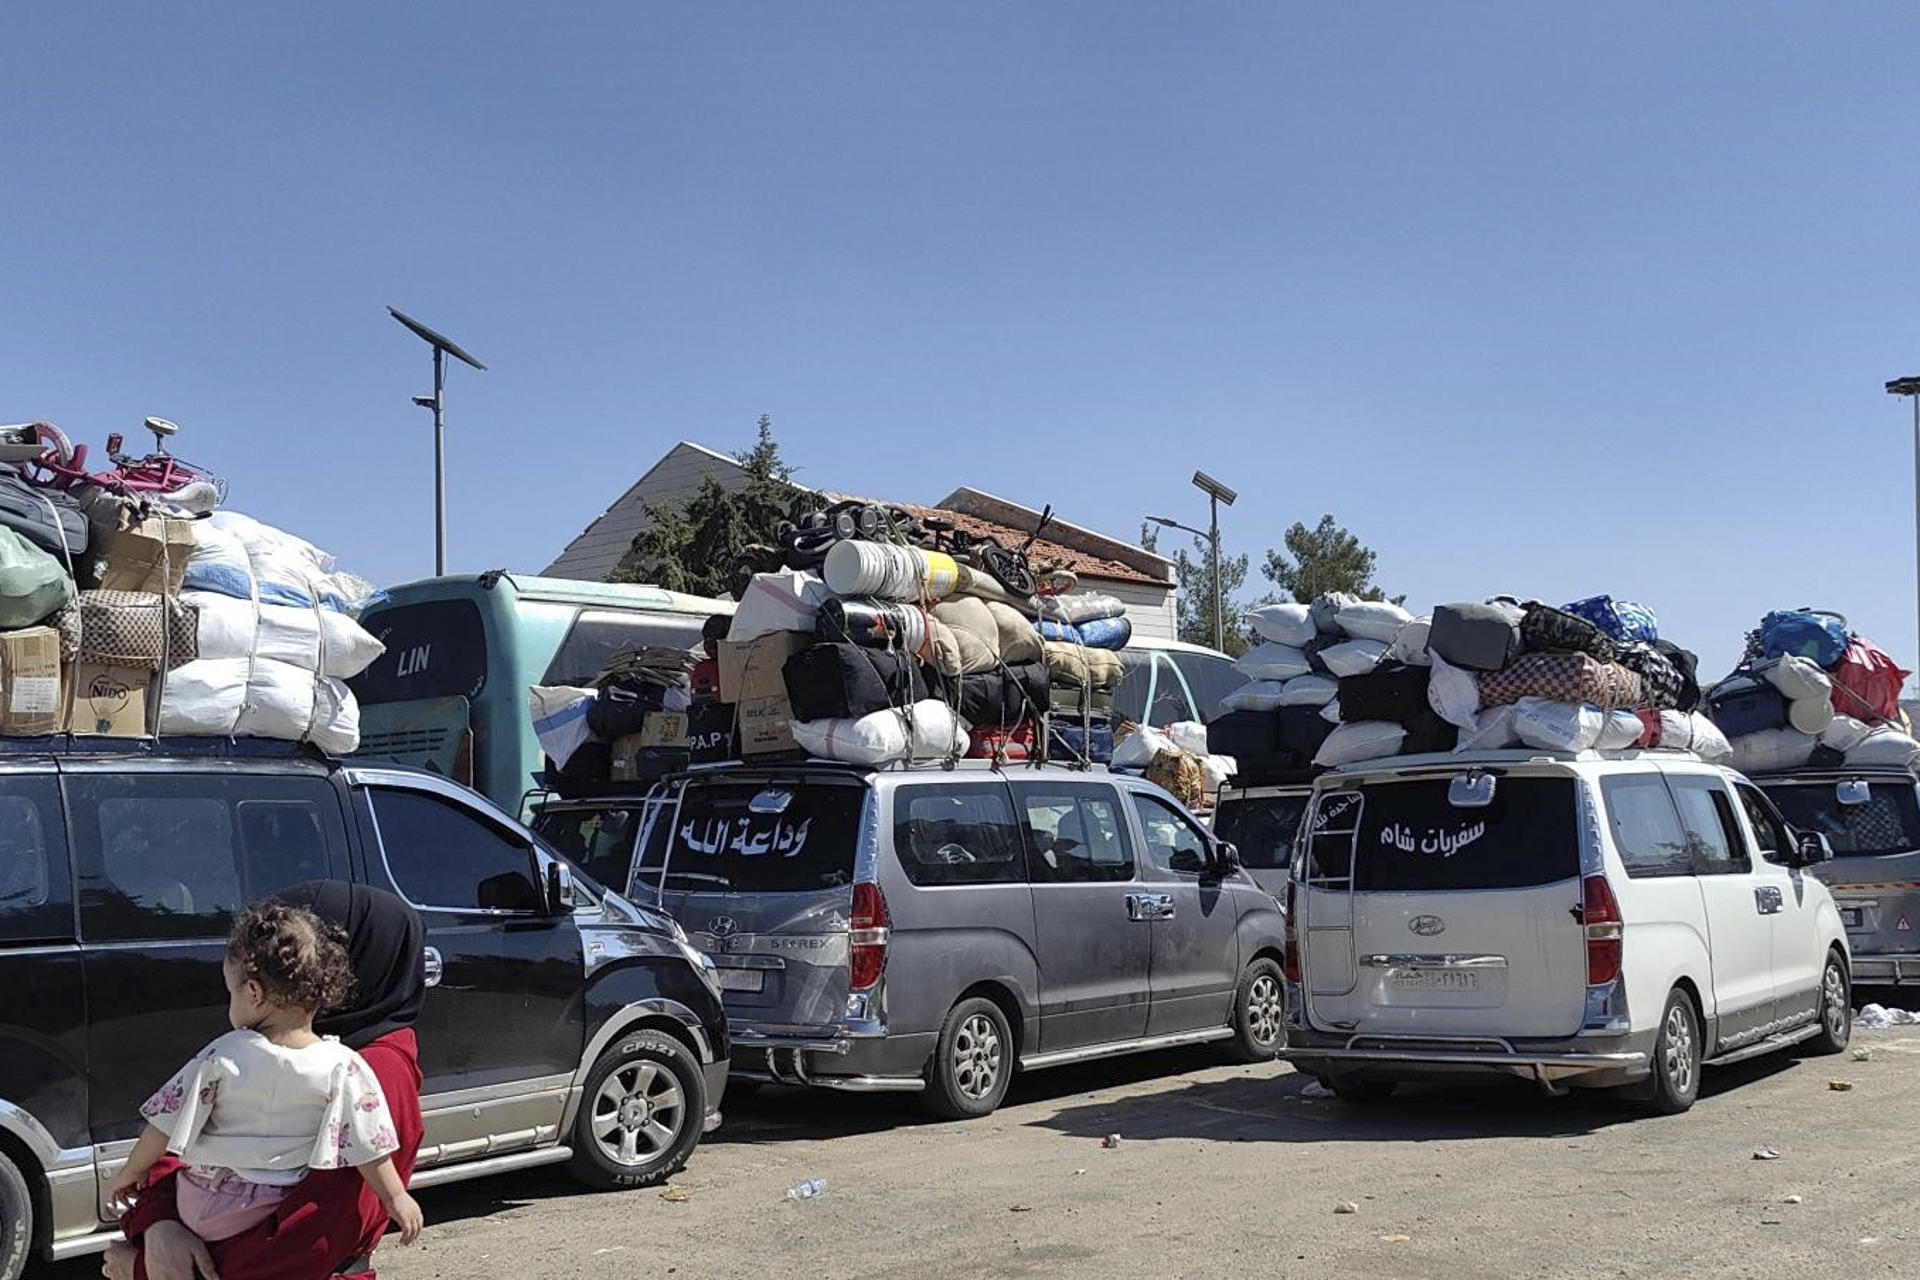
(803, 766)
(69, 744)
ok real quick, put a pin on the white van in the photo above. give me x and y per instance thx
(1587, 920)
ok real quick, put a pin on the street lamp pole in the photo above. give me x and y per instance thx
(437, 402)
(1910, 388)
(1216, 494)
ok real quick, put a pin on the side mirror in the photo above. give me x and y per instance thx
(561, 898)
(1227, 857)
(1814, 849)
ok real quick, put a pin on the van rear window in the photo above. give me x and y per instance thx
(436, 649)
(762, 838)
(1261, 828)
(1411, 837)
(1889, 822)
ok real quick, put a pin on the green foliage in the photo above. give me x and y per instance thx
(1321, 559)
(692, 547)
(1194, 572)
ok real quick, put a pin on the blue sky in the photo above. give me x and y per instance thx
(1547, 300)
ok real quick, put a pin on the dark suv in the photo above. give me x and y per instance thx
(561, 1023)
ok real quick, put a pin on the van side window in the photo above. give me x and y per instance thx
(1173, 843)
(1768, 830)
(34, 901)
(174, 855)
(1075, 834)
(1646, 827)
(950, 835)
(1713, 835)
(443, 857)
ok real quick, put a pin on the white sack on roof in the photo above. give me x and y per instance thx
(1272, 661)
(1288, 624)
(1372, 620)
(1354, 657)
(260, 698)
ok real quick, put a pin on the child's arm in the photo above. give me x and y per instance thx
(401, 1207)
(151, 1146)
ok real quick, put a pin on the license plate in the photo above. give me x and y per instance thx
(742, 979)
(1433, 980)
(1853, 917)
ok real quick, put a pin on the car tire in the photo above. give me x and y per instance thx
(641, 1114)
(1259, 1013)
(16, 1220)
(972, 1062)
(1836, 1007)
(1676, 1057)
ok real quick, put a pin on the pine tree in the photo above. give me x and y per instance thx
(1193, 570)
(1322, 559)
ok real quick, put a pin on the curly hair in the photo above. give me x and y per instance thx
(299, 960)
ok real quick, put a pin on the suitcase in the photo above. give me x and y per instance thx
(711, 736)
(1742, 706)
(1560, 677)
(1003, 697)
(1392, 691)
(992, 743)
(49, 519)
(1479, 637)
(1070, 742)
(845, 682)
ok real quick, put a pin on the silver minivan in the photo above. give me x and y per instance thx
(1871, 818)
(930, 929)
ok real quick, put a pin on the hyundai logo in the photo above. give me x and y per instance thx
(723, 926)
(1427, 926)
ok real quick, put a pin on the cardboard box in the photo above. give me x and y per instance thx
(144, 555)
(30, 689)
(663, 733)
(750, 669)
(107, 702)
(766, 726)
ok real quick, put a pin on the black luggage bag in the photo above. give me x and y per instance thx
(1393, 691)
(845, 681)
(47, 518)
(1003, 697)
(1479, 637)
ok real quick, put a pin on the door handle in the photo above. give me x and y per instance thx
(435, 967)
(1149, 906)
(1767, 900)
(1163, 906)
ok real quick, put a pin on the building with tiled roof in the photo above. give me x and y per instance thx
(1143, 580)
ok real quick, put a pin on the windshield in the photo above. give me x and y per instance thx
(1261, 827)
(1889, 822)
(757, 837)
(599, 841)
(1410, 836)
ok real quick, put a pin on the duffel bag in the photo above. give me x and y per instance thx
(1071, 742)
(1392, 691)
(1075, 702)
(1741, 706)
(1427, 732)
(1687, 665)
(48, 518)
(623, 709)
(1071, 664)
(846, 682)
(33, 585)
(994, 743)
(1804, 633)
(1244, 735)
(1481, 637)
(1546, 629)
(1661, 684)
(1621, 621)
(1302, 732)
(1002, 697)
(1866, 683)
(1561, 677)
(124, 629)
(1181, 775)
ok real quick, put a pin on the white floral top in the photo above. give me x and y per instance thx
(269, 1113)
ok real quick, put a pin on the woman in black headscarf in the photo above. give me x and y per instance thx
(331, 1218)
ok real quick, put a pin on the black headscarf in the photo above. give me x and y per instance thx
(386, 944)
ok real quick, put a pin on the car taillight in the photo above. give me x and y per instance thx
(463, 759)
(868, 940)
(1290, 938)
(1602, 916)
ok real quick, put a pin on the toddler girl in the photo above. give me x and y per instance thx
(269, 1100)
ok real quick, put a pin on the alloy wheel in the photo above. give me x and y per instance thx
(976, 1056)
(1833, 1002)
(1678, 1059)
(638, 1113)
(1265, 1010)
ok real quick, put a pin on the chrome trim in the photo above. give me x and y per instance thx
(1771, 1044)
(441, 1175)
(744, 1038)
(1062, 1057)
(80, 1246)
(1433, 962)
(465, 1152)
(1769, 1029)
(513, 1090)
(1515, 1058)
(869, 1084)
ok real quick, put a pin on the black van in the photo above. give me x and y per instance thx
(561, 1023)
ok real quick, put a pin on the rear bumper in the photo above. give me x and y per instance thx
(1620, 1058)
(1887, 970)
(867, 1063)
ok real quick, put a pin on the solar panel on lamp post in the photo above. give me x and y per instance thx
(442, 347)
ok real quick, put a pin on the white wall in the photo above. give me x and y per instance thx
(673, 480)
(1151, 609)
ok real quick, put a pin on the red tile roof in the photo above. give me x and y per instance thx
(1044, 554)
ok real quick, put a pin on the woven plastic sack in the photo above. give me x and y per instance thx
(1866, 683)
(1372, 620)
(1621, 621)
(1773, 750)
(33, 585)
(1353, 658)
(1491, 730)
(1309, 691)
(1272, 661)
(1361, 740)
(1886, 746)
(1410, 646)
(935, 733)
(1559, 726)
(1290, 624)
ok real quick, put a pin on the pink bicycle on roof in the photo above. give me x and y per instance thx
(61, 464)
